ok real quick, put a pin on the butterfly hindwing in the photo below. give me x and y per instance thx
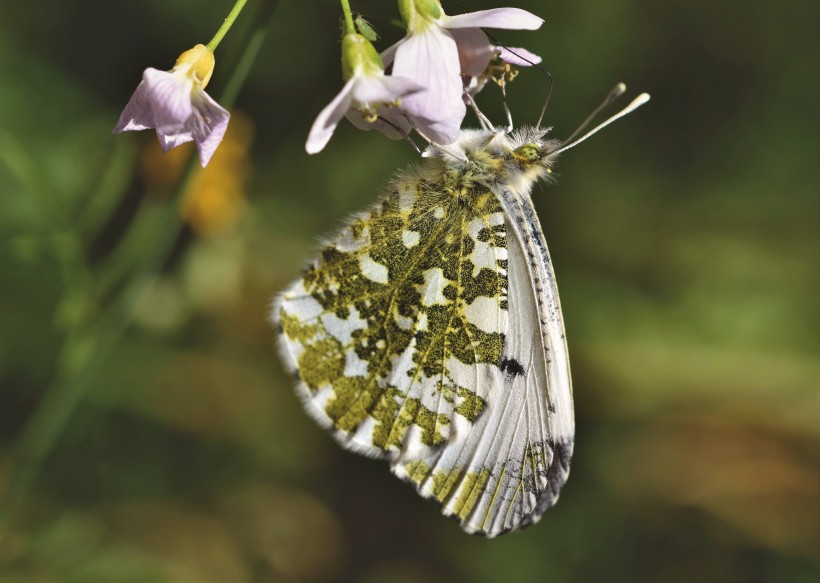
(508, 470)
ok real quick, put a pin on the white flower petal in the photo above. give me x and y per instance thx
(207, 124)
(137, 114)
(474, 86)
(518, 56)
(474, 50)
(431, 60)
(400, 127)
(389, 53)
(170, 95)
(171, 141)
(374, 89)
(443, 131)
(509, 18)
(401, 86)
(380, 100)
(328, 119)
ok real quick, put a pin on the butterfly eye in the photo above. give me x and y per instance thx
(529, 152)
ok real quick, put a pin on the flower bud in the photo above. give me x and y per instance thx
(201, 61)
(358, 55)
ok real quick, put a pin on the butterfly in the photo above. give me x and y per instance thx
(429, 332)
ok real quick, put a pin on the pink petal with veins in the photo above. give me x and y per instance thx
(509, 18)
(207, 124)
(325, 124)
(431, 60)
(518, 56)
(474, 50)
(383, 89)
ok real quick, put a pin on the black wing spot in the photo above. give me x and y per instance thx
(511, 366)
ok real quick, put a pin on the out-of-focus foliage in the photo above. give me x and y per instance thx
(685, 240)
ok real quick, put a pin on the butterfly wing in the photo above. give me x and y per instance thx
(509, 468)
(537, 341)
(372, 328)
(416, 335)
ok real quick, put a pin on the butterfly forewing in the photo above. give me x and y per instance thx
(381, 329)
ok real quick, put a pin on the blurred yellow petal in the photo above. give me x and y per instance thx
(216, 196)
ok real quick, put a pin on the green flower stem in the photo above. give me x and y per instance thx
(82, 354)
(226, 26)
(88, 346)
(64, 241)
(349, 28)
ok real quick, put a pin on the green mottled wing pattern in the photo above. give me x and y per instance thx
(382, 328)
(428, 332)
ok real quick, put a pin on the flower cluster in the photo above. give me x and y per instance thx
(367, 97)
(429, 67)
(441, 60)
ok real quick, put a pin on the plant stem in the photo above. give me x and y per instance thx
(349, 28)
(94, 342)
(226, 26)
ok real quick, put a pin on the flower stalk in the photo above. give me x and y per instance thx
(226, 25)
(90, 342)
(348, 14)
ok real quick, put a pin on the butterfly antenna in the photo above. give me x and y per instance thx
(547, 100)
(636, 103)
(616, 92)
(404, 135)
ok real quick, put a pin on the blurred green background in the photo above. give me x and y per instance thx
(148, 432)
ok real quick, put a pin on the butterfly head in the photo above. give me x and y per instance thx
(531, 153)
(531, 146)
(498, 156)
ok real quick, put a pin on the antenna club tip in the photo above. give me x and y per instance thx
(641, 99)
(620, 88)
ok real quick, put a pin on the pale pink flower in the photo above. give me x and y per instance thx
(175, 104)
(517, 56)
(437, 51)
(364, 99)
(367, 98)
